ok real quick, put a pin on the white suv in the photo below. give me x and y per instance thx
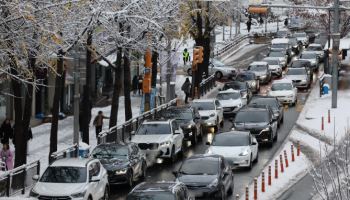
(211, 112)
(72, 178)
(160, 139)
(284, 90)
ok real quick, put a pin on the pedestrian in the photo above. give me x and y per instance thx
(186, 87)
(286, 22)
(6, 131)
(135, 83)
(7, 157)
(249, 24)
(140, 85)
(98, 122)
(186, 56)
(261, 21)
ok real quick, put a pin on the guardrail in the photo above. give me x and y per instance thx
(207, 84)
(69, 152)
(18, 179)
(236, 41)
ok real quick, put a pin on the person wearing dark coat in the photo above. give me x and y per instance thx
(249, 24)
(140, 85)
(186, 87)
(135, 83)
(6, 131)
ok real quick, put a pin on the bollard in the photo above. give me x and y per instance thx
(286, 158)
(262, 181)
(246, 193)
(292, 151)
(298, 148)
(329, 116)
(237, 196)
(281, 163)
(269, 176)
(255, 188)
(276, 169)
(322, 124)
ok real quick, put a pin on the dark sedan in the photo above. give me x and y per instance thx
(125, 164)
(251, 79)
(207, 176)
(243, 87)
(273, 103)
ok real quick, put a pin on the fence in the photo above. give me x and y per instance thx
(236, 41)
(69, 152)
(206, 85)
(19, 179)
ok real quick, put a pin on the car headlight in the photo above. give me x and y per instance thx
(266, 129)
(253, 83)
(263, 76)
(121, 171)
(33, 194)
(212, 115)
(79, 194)
(214, 183)
(165, 144)
(244, 153)
(303, 81)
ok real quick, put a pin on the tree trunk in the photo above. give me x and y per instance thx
(154, 69)
(127, 83)
(56, 104)
(86, 102)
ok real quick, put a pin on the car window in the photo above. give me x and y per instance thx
(308, 56)
(257, 67)
(110, 151)
(154, 129)
(204, 105)
(276, 54)
(228, 96)
(97, 168)
(151, 195)
(175, 126)
(296, 71)
(200, 166)
(229, 140)
(273, 103)
(281, 86)
(280, 45)
(59, 174)
(252, 117)
(91, 170)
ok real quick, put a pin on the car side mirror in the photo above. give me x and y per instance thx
(207, 143)
(94, 179)
(175, 173)
(35, 177)
(177, 132)
(254, 143)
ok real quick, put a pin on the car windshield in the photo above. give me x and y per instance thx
(235, 86)
(265, 101)
(314, 48)
(272, 62)
(64, 175)
(257, 67)
(111, 151)
(281, 86)
(203, 105)
(252, 117)
(200, 166)
(308, 56)
(300, 64)
(276, 54)
(279, 46)
(246, 77)
(294, 71)
(299, 34)
(151, 195)
(228, 96)
(154, 129)
(231, 139)
(178, 114)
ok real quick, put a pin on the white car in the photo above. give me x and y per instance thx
(160, 138)
(317, 48)
(231, 101)
(302, 38)
(239, 148)
(72, 178)
(312, 57)
(282, 56)
(216, 67)
(284, 91)
(211, 112)
(275, 65)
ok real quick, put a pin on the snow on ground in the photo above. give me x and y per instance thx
(291, 174)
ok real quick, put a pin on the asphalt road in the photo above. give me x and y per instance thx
(243, 177)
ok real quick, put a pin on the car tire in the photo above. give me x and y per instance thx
(130, 179)
(270, 143)
(106, 193)
(250, 162)
(173, 155)
(144, 171)
(282, 120)
(222, 193)
(200, 136)
(218, 75)
(222, 123)
(189, 72)
(194, 137)
(90, 198)
(257, 157)
(231, 189)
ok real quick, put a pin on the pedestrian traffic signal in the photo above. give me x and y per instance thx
(197, 57)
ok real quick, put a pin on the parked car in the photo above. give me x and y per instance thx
(275, 65)
(207, 176)
(211, 112)
(160, 191)
(231, 101)
(259, 121)
(125, 164)
(299, 77)
(239, 148)
(283, 57)
(216, 67)
(312, 57)
(302, 38)
(261, 70)
(251, 79)
(246, 92)
(72, 178)
(273, 103)
(318, 49)
(160, 138)
(188, 119)
(284, 91)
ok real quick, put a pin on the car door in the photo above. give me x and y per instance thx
(219, 111)
(225, 174)
(177, 138)
(253, 145)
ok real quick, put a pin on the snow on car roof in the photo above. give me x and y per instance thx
(229, 91)
(279, 40)
(282, 81)
(71, 162)
(259, 63)
(315, 45)
(203, 100)
(157, 121)
(272, 58)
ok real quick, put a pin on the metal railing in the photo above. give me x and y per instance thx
(206, 85)
(235, 41)
(69, 152)
(18, 179)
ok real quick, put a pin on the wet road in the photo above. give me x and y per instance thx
(159, 172)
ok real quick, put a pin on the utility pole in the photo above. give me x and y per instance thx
(76, 98)
(335, 50)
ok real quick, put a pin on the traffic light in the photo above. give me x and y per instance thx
(197, 57)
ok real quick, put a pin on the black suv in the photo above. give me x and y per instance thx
(259, 121)
(274, 104)
(188, 119)
(243, 87)
(160, 190)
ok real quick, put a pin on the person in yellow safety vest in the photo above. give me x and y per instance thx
(186, 56)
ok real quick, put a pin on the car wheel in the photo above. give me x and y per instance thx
(189, 72)
(106, 194)
(257, 157)
(200, 136)
(90, 198)
(131, 179)
(218, 75)
(282, 120)
(222, 123)
(222, 193)
(230, 190)
(270, 143)
(250, 162)
(144, 171)
(172, 155)
(194, 138)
